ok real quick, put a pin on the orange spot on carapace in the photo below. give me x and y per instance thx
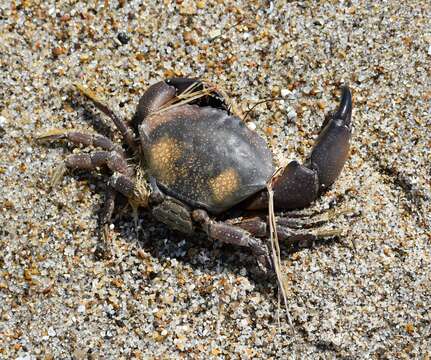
(224, 185)
(163, 157)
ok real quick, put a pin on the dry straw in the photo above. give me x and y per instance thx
(275, 247)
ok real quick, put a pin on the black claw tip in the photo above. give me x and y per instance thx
(344, 111)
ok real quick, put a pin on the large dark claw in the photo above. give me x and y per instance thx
(153, 99)
(299, 185)
(331, 149)
(163, 92)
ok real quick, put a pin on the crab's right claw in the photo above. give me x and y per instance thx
(331, 149)
(299, 185)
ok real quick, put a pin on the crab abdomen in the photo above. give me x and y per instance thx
(204, 156)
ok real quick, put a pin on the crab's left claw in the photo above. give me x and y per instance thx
(299, 185)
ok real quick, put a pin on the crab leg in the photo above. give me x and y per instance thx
(125, 185)
(286, 233)
(153, 99)
(91, 161)
(258, 227)
(125, 130)
(122, 179)
(235, 235)
(299, 185)
(79, 138)
(103, 250)
(108, 206)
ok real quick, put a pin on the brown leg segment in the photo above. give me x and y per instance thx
(103, 249)
(132, 189)
(125, 185)
(108, 207)
(79, 138)
(287, 230)
(124, 128)
(91, 161)
(235, 235)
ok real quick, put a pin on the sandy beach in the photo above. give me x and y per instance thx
(364, 295)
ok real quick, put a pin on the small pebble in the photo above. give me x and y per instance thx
(291, 115)
(214, 33)
(2, 121)
(285, 92)
(251, 125)
(123, 38)
(57, 51)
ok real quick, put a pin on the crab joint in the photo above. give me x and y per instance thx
(137, 192)
(201, 217)
(142, 188)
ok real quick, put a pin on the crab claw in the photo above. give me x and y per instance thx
(331, 149)
(299, 185)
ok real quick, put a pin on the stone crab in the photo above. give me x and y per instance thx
(200, 168)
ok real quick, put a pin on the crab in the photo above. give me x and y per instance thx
(200, 168)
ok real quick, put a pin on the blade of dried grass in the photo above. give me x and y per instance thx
(275, 247)
(186, 97)
(190, 88)
(183, 99)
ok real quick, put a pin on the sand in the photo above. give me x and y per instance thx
(163, 295)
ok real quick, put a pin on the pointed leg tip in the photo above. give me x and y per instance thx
(53, 134)
(86, 92)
